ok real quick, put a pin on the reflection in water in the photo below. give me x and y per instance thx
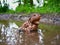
(10, 36)
(9, 33)
(41, 36)
(55, 40)
(2, 29)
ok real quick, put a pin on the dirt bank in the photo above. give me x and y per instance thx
(46, 18)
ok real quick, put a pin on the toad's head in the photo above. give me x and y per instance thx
(35, 18)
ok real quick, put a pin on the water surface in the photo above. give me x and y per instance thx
(9, 35)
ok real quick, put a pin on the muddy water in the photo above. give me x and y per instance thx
(10, 35)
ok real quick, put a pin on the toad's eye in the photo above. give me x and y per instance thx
(34, 15)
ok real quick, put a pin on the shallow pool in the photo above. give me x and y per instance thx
(9, 35)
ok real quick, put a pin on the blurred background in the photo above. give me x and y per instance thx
(29, 6)
(13, 13)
